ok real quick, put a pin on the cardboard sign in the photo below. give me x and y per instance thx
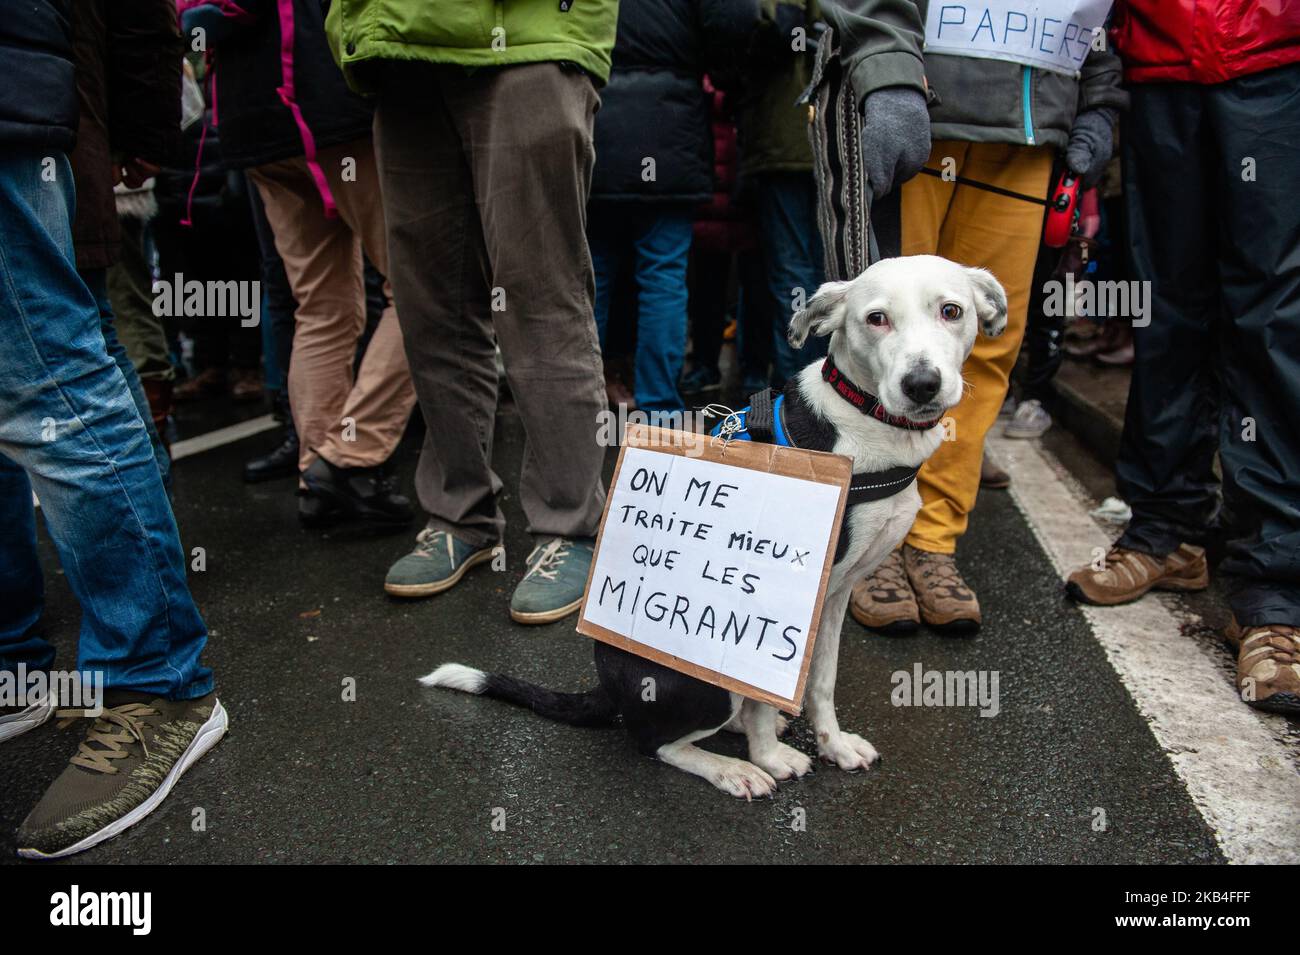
(1049, 34)
(713, 559)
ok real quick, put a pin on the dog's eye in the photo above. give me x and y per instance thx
(878, 319)
(951, 312)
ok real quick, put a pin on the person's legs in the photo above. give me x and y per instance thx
(1259, 263)
(322, 258)
(792, 259)
(707, 304)
(1043, 334)
(753, 322)
(22, 586)
(608, 238)
(445, 311)
(980, 228)
(67, 418)
(1164, 471)
(527, 132)
(97, 281)
(974, 227)
(141, 332)
(382, 396)
(278, 305)
(663, 244)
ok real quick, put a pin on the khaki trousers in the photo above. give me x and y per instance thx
(350, 422)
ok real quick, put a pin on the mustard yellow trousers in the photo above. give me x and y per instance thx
(1002, 234)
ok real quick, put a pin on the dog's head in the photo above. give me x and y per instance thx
(904, 327)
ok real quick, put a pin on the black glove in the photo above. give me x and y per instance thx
(895, 136)
(1092, 140)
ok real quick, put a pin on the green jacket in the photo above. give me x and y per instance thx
(470, 33)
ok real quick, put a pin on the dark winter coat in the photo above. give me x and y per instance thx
(38, 96)
(257, 126)
(128, 68)
(653, 138)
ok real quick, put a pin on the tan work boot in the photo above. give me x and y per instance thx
(1268, 665)
(884, 601)
(947, 604)
(1127, 574)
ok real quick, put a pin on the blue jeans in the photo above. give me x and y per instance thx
(659, 241)
(97, 281)
(70, 430)
(792, 262)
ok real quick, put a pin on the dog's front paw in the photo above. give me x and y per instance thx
(783, 762)
(743, 780)
(848, 751)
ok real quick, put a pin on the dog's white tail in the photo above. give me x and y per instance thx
(456, 676)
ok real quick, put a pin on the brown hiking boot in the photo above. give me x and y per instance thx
(1127, 574)
(132, 756)
(1268, 665)
(884, 601)
(947, 603)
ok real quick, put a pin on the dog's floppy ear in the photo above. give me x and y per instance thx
(990, 301)
(823, 314)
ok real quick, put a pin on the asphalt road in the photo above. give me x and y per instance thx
(405, 774)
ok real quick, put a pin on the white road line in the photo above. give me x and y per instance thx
(215, 439)
(1239, 776)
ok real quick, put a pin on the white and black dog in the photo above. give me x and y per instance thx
(899, 334)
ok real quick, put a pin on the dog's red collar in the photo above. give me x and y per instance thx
(866, 402)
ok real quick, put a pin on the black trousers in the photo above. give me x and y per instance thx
(1211, 176)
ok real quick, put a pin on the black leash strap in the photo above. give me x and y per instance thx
(976, 184)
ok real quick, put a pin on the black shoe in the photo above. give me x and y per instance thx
(316, 511)
(280, 463)
(366, 493)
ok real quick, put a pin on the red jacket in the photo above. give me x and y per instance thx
(1204, 41)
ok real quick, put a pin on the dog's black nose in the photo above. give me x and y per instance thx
(921, 384)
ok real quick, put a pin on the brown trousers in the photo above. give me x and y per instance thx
(485, 179)
(351, 423)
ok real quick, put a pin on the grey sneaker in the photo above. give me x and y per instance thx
(1031, 420)
(556, 579)
(438, 562)
(17, 720)
(132, 756)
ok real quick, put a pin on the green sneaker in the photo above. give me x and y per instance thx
(132, 755)
(438, 562)
(556, 579)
